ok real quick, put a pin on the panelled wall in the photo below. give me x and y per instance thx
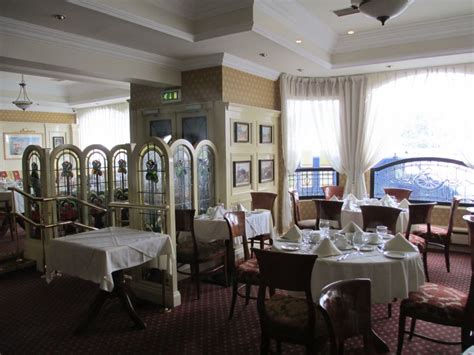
(45, 124)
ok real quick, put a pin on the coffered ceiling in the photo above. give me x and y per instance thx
(258, 36)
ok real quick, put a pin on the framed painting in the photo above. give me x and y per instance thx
(57, 141)
(241, 132)
(242, 173)
(266, 134)
(266, 170)
(14, 144)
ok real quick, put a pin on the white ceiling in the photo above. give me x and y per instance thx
(189, 34)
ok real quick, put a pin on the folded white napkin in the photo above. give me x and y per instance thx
(241, 207)
(333, 198)
(216, 212)
(400, 243)
(327, 248)
(350, 197)
(404, 204)
(388, 201)
(351, 227)
(294, 234)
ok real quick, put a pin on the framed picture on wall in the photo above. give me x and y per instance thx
(266, 134)
(14, 144)
(241, 132)
(242, 173)
(57, 141)
(266, 170)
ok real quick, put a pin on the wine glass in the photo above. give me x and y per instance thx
(358, 241)
(324, 228)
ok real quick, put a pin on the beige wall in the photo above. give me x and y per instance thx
(48, 124)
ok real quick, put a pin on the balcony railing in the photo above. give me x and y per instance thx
(308, 181)
(430, 179)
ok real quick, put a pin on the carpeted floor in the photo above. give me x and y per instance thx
(37, 318)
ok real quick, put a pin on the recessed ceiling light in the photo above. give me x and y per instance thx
(389, 66)
(299, 41)
(262, 54)
(59, 17)
(300, 70)
(351, 32)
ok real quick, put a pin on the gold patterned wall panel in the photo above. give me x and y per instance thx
(252, 90)
(197, 86)
(34, 116)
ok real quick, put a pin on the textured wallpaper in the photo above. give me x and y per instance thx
(252, 90)
(34, 116)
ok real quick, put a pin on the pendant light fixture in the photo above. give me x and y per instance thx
(22, 101)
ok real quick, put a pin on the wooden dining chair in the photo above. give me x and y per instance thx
(373, 216)
(246, 271)
(330, 210)
(441, 236)
(194, 252)
(333, 190)
(286, 318)
(443, 305)
(301, 223)
(346, 306)
(420, 214)
(266, 201)
(398, 193)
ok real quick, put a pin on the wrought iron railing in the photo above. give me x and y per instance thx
(430, 179)
(308, 181)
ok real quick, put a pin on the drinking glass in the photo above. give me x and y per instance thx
(381, 232)
(358, 241)
(324, 228)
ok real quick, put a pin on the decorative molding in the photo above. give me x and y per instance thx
(223, 31)
(298, 19)
(59, 38)
(130, 17)
(36, 116)
(398, 35)
(204, 10)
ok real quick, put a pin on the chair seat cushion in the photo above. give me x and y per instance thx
(419, 242)
(306, 224)
(292, 312)
(248, 272)
(206, 251)
(438, 234)
(436, 302)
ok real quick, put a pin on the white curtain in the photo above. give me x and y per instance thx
(108, 125)
(351, 139)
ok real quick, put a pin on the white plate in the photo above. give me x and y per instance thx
(348, 247)
(289, 247)
(367, 248)
(394, 254)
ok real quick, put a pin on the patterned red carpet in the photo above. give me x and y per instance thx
(37, 318)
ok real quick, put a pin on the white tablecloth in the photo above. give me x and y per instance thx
(95, 255)
(19, 201)
(256, 223)
(391, 278)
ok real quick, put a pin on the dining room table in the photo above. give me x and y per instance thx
(101, 256)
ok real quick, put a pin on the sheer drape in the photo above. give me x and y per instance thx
(108, 125)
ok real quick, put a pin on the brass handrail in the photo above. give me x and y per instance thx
(57, 198)
(113, 205)
(52, 225)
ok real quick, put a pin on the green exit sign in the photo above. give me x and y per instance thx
(170, 95)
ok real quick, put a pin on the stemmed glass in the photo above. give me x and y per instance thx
(324, 228)
(382, 232)
(358, 240)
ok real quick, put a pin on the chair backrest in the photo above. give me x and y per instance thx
(373, 216)
(346, 308)
(184, 221)
(469, 313)
(332, 190)
(330, 210)
(420, 213)
(264, 200)
(398, 193)
(236, 224)
(295, 201)
(454, 206)
(285, 271)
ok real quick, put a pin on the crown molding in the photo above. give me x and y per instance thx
(397, 35)
(223, 31)
(298, 19)
(130, 17)
(206, 10)
(59, 38)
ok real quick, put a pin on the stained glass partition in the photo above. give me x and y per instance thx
(120, 180)
(206, 175)
(96, 164)
(183, 153)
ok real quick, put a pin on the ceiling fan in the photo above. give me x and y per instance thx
(381, 10)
